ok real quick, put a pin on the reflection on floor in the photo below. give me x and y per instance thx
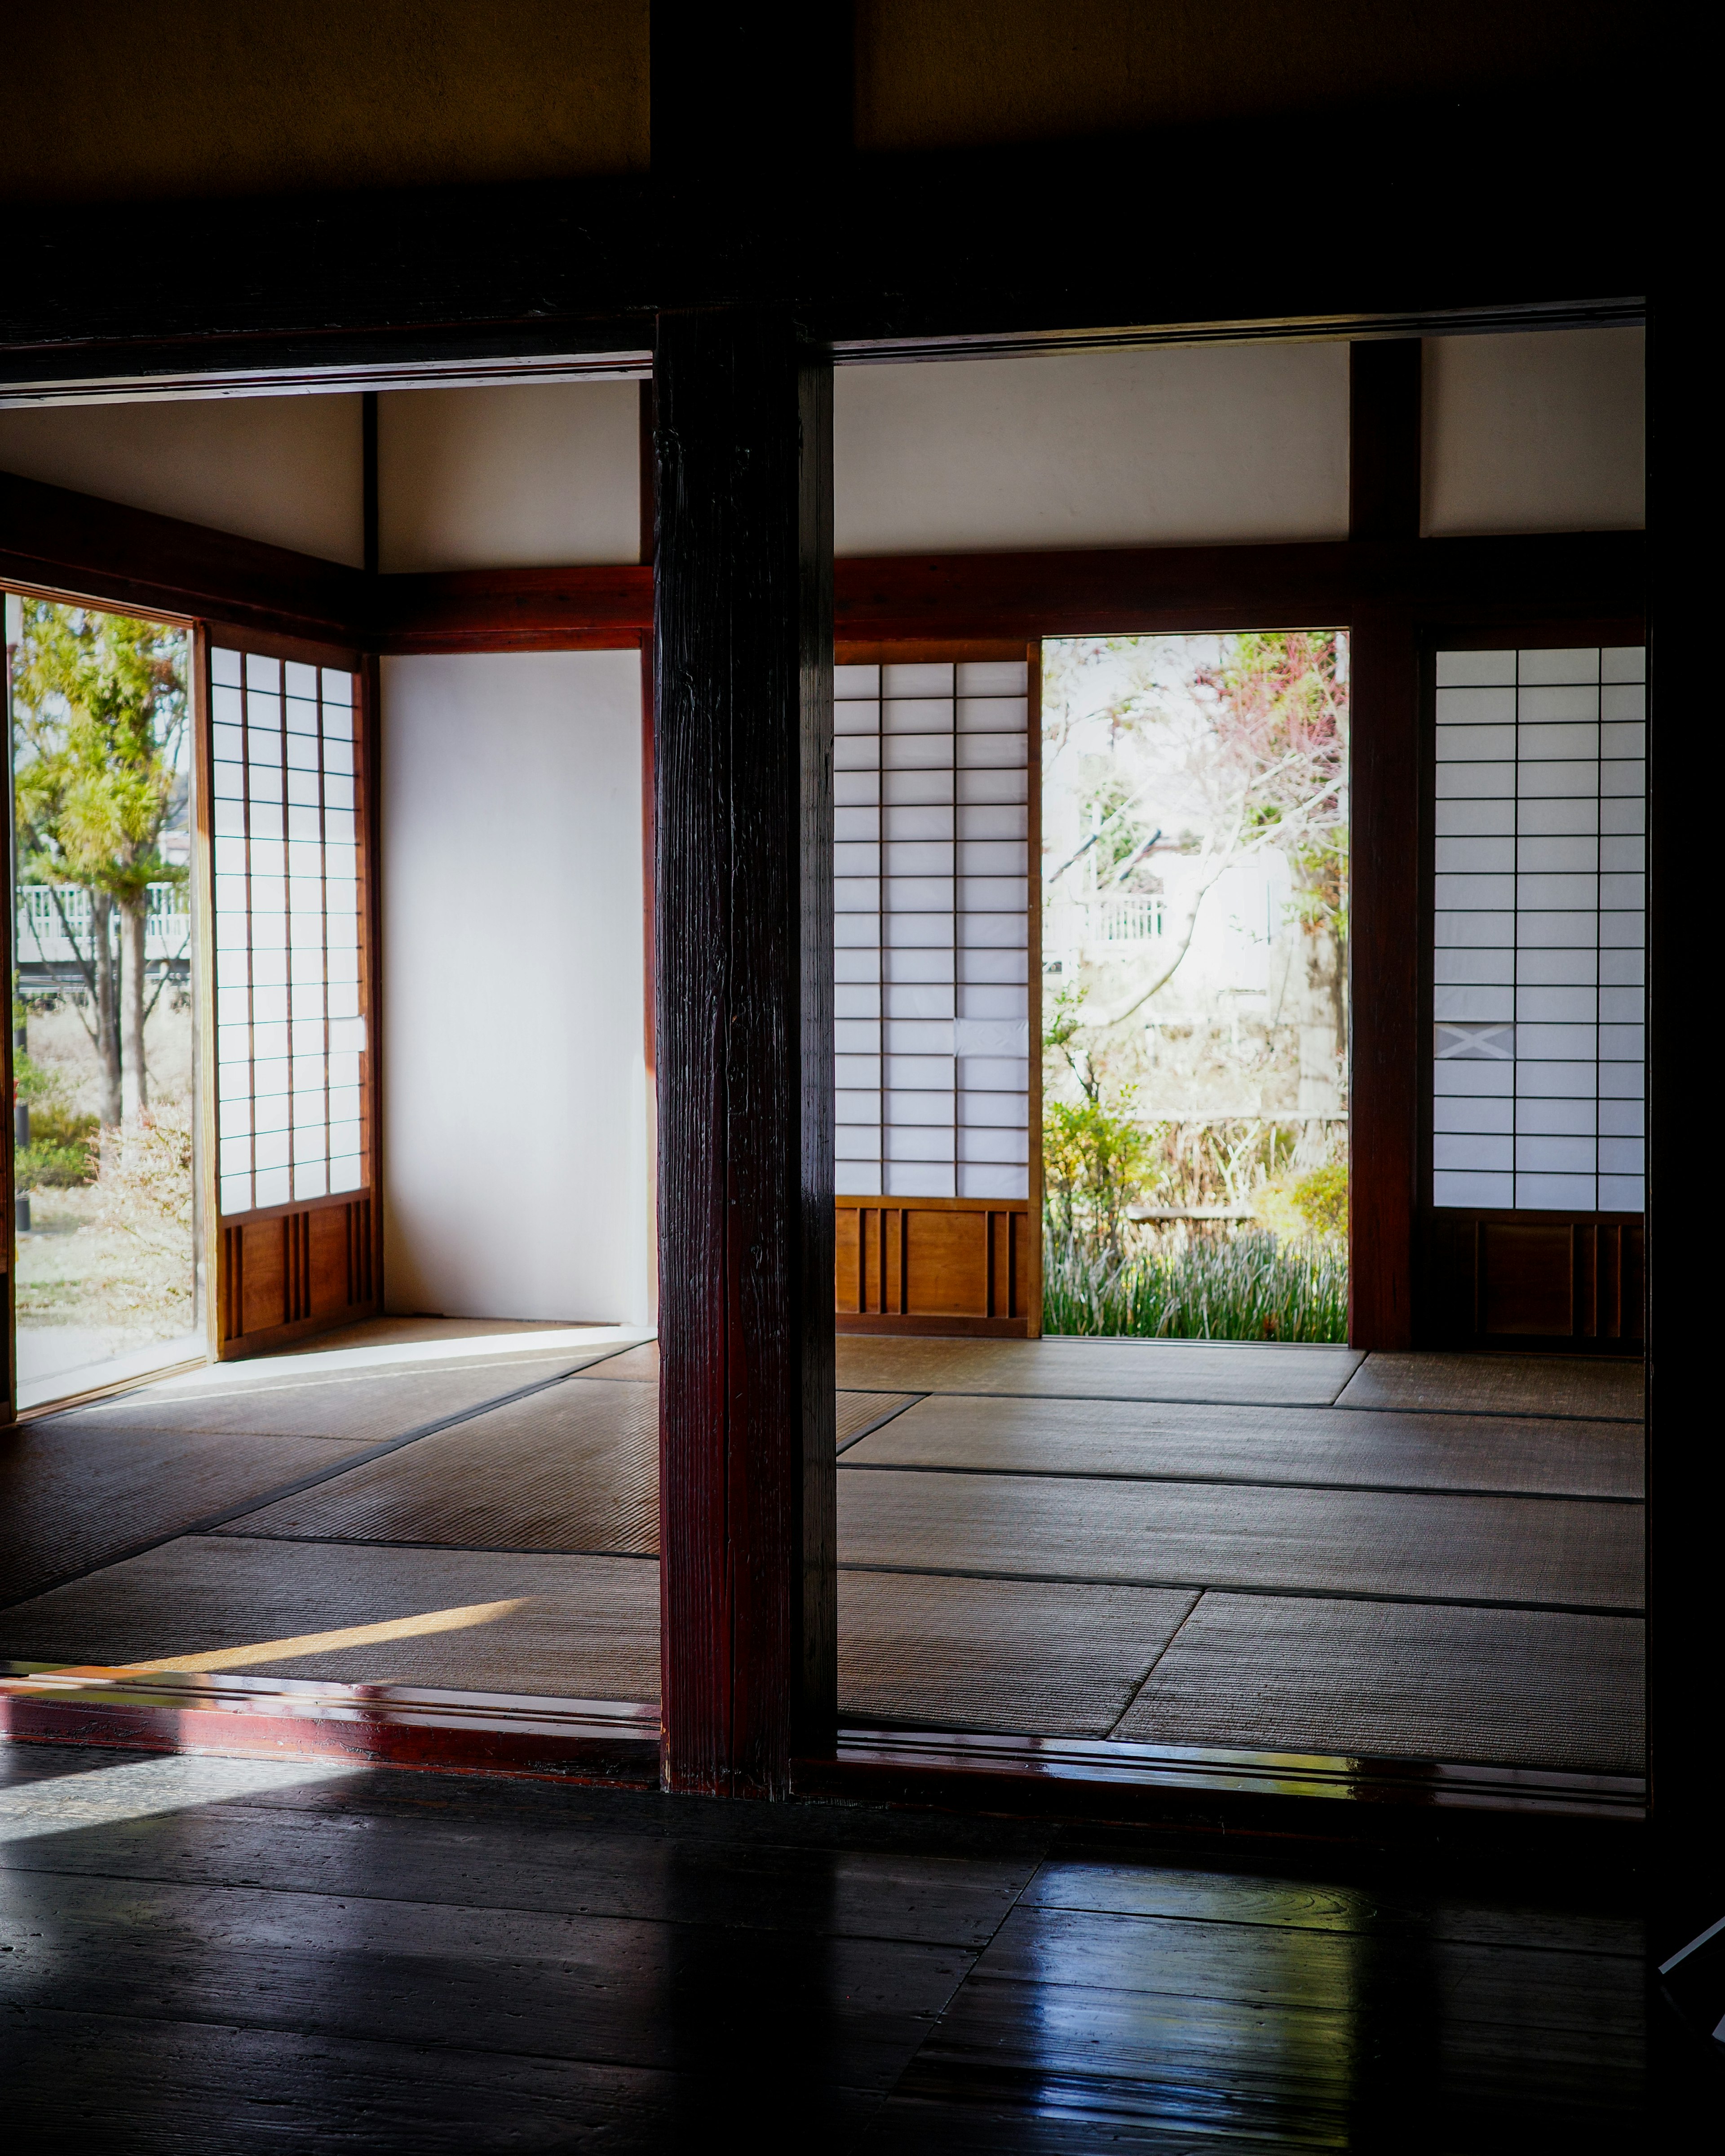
(1285, 1549)
(252, 1955)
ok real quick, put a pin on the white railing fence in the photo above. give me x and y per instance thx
(1077, 924)
(42, 924)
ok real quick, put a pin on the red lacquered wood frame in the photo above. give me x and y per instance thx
(1183, 1789)
(371, 1725)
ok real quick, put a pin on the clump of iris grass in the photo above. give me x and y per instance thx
(1252, 1285)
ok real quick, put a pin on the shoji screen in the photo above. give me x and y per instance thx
(931, 930)
(932, 774)
(1539, 931)
(286, 833)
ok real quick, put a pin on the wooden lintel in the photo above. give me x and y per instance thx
(985, 604)
(56, 541)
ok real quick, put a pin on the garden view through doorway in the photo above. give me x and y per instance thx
(106, 1275)
(1196, 979)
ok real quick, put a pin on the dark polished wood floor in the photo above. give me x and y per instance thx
(234, 1955)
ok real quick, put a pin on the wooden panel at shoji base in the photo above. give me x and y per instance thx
(935, 1266)
(300, 1270)
(1504, 1279)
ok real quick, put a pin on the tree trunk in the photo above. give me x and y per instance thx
(107, 1012)
(134, 1081)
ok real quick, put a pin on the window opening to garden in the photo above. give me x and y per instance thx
(1195, 985)
(106, 1274)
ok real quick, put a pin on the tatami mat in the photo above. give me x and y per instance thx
(1500, 1384)
(1511, 1687)
(1173, 1534)
(994, 1654)
(582, 1628)
(1294, 1445)
(1055, 1520)
(573, 1467)
(367, 1406)
(75, 1493)
(634, 1362)
(1243, 1372)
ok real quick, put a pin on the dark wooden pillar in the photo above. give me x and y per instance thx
(743, 645)
(1389, 1037)
(1685, 1463)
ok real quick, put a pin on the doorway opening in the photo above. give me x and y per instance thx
(104, 1043)
(1195, 985)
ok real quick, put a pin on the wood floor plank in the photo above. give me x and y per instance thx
(86, 2084)
(1509, 1549)
(1323, 1446)
(1396, 2070)
(675, 1996)
(1601, 1998)
(547, 1865)
(382, 1961)
(1386, 1903)
(1500, 1384)
(1510, 1687)
(1296, 2039)
(1263, 1373)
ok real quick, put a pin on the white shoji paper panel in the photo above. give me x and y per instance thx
(290, 1023)
(931, 942)
(1539, 962)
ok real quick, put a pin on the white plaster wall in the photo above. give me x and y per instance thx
(515, 1129)
(1543, 431)
(1163, 447)
(283, 468)
(536, 476)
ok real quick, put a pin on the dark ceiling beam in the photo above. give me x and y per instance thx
(59, 542)
(1463, 212)
(53, 540)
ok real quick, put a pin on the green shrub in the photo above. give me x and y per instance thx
(59, 1156)
(1248, 1287)
(1322, 1198)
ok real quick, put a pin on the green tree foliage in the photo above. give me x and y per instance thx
(1094, 1159)
(99, 703)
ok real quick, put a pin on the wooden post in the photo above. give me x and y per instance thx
(742, 647)
(1383, 430)
(1384, 504)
